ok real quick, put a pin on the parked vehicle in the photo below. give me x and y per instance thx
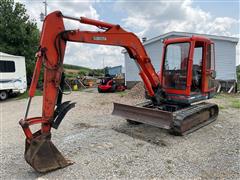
(109, 84)
(12, 75)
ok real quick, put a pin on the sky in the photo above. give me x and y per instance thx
(144, 18)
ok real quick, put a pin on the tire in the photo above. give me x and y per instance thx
(99, 90)
(133, 122)
(3, 95)
(113, 88)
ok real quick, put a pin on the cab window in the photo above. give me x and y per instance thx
(175, 65)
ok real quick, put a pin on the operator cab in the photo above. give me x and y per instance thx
(188, 69)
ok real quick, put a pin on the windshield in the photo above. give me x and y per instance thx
(175, 65)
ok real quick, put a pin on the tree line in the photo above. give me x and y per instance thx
(19, 34)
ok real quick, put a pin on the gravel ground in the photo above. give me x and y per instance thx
(106, 147)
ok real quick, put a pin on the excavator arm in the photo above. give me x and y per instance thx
(40, 152)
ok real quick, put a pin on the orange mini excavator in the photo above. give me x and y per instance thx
(187, 76)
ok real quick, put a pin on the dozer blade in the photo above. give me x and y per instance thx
(42, 155)
(157, 118)
(180, 122)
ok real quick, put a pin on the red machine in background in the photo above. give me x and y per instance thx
(108, 84)
(187, 76)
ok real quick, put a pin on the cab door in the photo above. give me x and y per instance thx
(209, 73)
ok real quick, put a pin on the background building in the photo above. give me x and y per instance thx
(225, 56)
(114, 70)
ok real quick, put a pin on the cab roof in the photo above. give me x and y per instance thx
(187, 39)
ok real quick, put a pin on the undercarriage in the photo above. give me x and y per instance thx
(179, 120)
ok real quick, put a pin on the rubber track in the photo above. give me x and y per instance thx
(184, 115)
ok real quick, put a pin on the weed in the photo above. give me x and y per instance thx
(122, 93)
(221, 107)
(235, 103)
(25, 95)
(220, 96)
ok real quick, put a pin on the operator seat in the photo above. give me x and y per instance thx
(196, 77)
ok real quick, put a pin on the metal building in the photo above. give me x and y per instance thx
(225, 56)
(114, 70)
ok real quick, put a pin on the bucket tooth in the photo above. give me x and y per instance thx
(43, 155)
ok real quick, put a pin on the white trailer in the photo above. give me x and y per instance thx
(12, 75)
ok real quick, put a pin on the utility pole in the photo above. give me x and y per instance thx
(42, 16)
(45, 4)
(103, 64)
(104, 69)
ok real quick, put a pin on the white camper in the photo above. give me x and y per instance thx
(12, 75)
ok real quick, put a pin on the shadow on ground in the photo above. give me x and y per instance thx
(144, 132)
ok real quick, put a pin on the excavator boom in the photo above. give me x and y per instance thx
(40, 152)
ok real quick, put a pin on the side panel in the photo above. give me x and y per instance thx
(225, 60)
(21, 72)
(15, 81)
(131, 69)
(154, 51)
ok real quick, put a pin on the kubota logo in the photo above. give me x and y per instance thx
(99, 38)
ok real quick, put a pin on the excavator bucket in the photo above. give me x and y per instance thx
(179, 122)
(42, 154)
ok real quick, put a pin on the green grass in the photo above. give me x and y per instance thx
(221, 107)
(69, 66)
(235, 104)
(25, 95)
(122, 93)
(220, 96)
(82, 71)
(238, 76)
(231, 100)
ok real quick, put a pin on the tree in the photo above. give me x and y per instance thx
(238, 72)
(18, 34)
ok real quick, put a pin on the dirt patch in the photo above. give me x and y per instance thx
(107, 147)
(84, 126)
(141, 132)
